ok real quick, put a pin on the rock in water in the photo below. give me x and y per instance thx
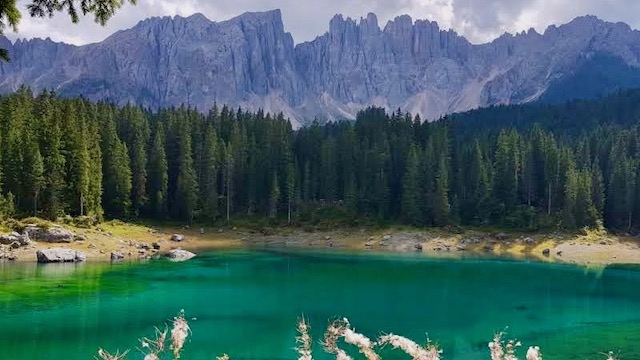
(177, 237)
(59, 255)
(116, 256)
(180, 255)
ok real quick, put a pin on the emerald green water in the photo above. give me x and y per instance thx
(246, 304)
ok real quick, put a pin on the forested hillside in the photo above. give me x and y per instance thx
(565, 166)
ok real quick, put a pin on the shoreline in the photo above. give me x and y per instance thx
(135, 242)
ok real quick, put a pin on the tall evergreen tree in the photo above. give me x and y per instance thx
(507, 169)
(228, 163)
(209, 178)
(53, 160)
(274, 197)
(75, 149)
(115, 169)
(411, 188)
(134, 131)
(441, 206)
(157, 186)
(186, 185)
(34, 173)
(93, 198)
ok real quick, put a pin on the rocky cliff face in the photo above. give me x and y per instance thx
(250, 61)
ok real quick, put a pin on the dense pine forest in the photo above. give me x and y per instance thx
(527, 167)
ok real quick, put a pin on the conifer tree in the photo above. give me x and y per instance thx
(597, 189)
(134, 131)
(51, 149)
(570, 196)
(186, 183)
(441, 197)
(585, 213)
(507, 168)
(477, 187)
(620, 199)
(274, 196)
(411, 189)
(228, 163)
(93, 198)
(34, 173)
(76, 153)
(291, 187)
(209, 179)
(158, 178)
(328, 166)
(115, 168)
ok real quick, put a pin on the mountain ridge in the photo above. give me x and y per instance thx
(251, 61)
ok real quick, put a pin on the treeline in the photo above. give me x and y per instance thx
(71, 156)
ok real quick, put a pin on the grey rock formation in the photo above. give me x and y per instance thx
(15, 238)
(54, 234)
(177, 237)
(180, 255)
(57, 255)
(250, 61)
(7, 239)
(116, 256)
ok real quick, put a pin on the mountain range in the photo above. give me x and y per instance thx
(252, 62)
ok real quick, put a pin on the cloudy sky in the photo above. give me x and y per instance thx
(479, 20)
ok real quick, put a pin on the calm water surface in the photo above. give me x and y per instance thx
(246, 304)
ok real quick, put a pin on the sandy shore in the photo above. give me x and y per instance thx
(583, 250)
(135, 242)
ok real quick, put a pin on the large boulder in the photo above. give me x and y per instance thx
(177, 237)
(57, 235)
(14, 237)
(180, 255)
(23, 238)
(32, 231)
(59, 255)
(54, 234)
(8, 239)
(117, 256)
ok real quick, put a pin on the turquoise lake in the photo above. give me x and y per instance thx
(246, 303)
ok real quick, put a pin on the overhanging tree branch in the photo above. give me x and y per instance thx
(103, 10)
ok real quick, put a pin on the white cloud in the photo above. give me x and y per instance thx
(478, 20)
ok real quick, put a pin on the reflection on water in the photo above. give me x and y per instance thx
(246, 304)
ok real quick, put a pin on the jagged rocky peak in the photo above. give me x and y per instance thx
(251, 61)
(401, 23)
(260, 17)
